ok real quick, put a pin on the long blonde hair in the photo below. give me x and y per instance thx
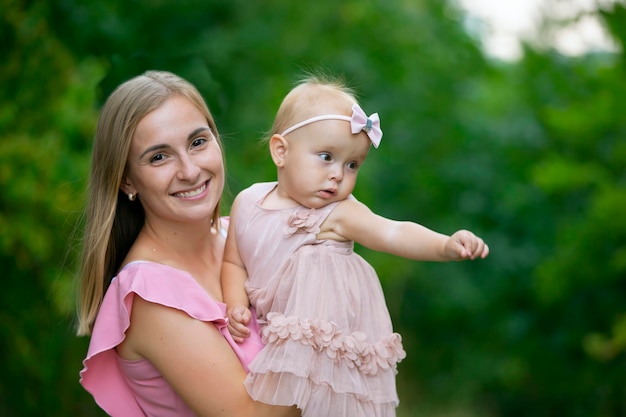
(112, 222)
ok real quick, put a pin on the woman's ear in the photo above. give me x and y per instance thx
(127, 187)
(278, 149)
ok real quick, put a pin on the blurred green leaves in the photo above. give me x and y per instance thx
(530, 155)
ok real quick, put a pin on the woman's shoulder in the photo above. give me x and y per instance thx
(163, 284)
(158, 284)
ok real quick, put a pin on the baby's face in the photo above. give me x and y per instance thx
(322, 162)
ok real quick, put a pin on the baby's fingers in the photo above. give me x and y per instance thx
(479, 249)
(484, 252)
(238, 317)
(470, 246)
(238, 331)
(476, 248)
(241, 314)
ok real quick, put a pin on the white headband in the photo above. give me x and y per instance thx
(359, 121)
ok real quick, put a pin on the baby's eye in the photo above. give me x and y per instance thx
(353, 165)
(326, 156)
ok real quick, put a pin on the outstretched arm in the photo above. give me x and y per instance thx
(352, 220)
(233, 278)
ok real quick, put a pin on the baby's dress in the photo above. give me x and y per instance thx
(330, 347)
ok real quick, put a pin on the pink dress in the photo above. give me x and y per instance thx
(330, 348)
(136, 388)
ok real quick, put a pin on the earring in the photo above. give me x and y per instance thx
(132, 196)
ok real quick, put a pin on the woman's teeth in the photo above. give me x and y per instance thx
(188, 194)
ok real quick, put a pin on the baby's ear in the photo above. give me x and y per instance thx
(278, 149)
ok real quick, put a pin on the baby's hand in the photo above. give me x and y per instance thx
(238, 317)
(465, 245)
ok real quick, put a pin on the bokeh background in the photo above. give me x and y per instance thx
(529, 153)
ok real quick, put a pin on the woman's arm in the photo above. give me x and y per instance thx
(195, 359)
(352, 220)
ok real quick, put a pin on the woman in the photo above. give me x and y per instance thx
(159, 343)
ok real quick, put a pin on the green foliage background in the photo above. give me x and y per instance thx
(531, 155)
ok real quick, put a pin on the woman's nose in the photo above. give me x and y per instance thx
(188, 169)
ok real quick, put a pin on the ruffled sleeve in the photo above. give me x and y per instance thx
(156, 283)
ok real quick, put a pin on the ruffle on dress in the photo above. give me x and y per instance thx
(324, 336)
(102, 375)
(296, 371)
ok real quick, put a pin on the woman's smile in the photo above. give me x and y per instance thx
(192, 193)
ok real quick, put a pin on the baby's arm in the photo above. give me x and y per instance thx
(353, 220)
(233, 278)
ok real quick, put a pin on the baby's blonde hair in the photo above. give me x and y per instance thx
(312, 96)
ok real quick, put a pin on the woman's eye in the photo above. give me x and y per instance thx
(197, 142)
(326, 156)
(157, 158)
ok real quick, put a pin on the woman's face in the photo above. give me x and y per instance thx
(175, 164)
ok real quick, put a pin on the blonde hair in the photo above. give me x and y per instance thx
(307, 99)
(112, 222)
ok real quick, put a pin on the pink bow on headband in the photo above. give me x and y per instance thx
(370, 125)
(359, 121)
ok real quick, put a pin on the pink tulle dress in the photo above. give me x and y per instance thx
(330, 348)
(125, 388)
